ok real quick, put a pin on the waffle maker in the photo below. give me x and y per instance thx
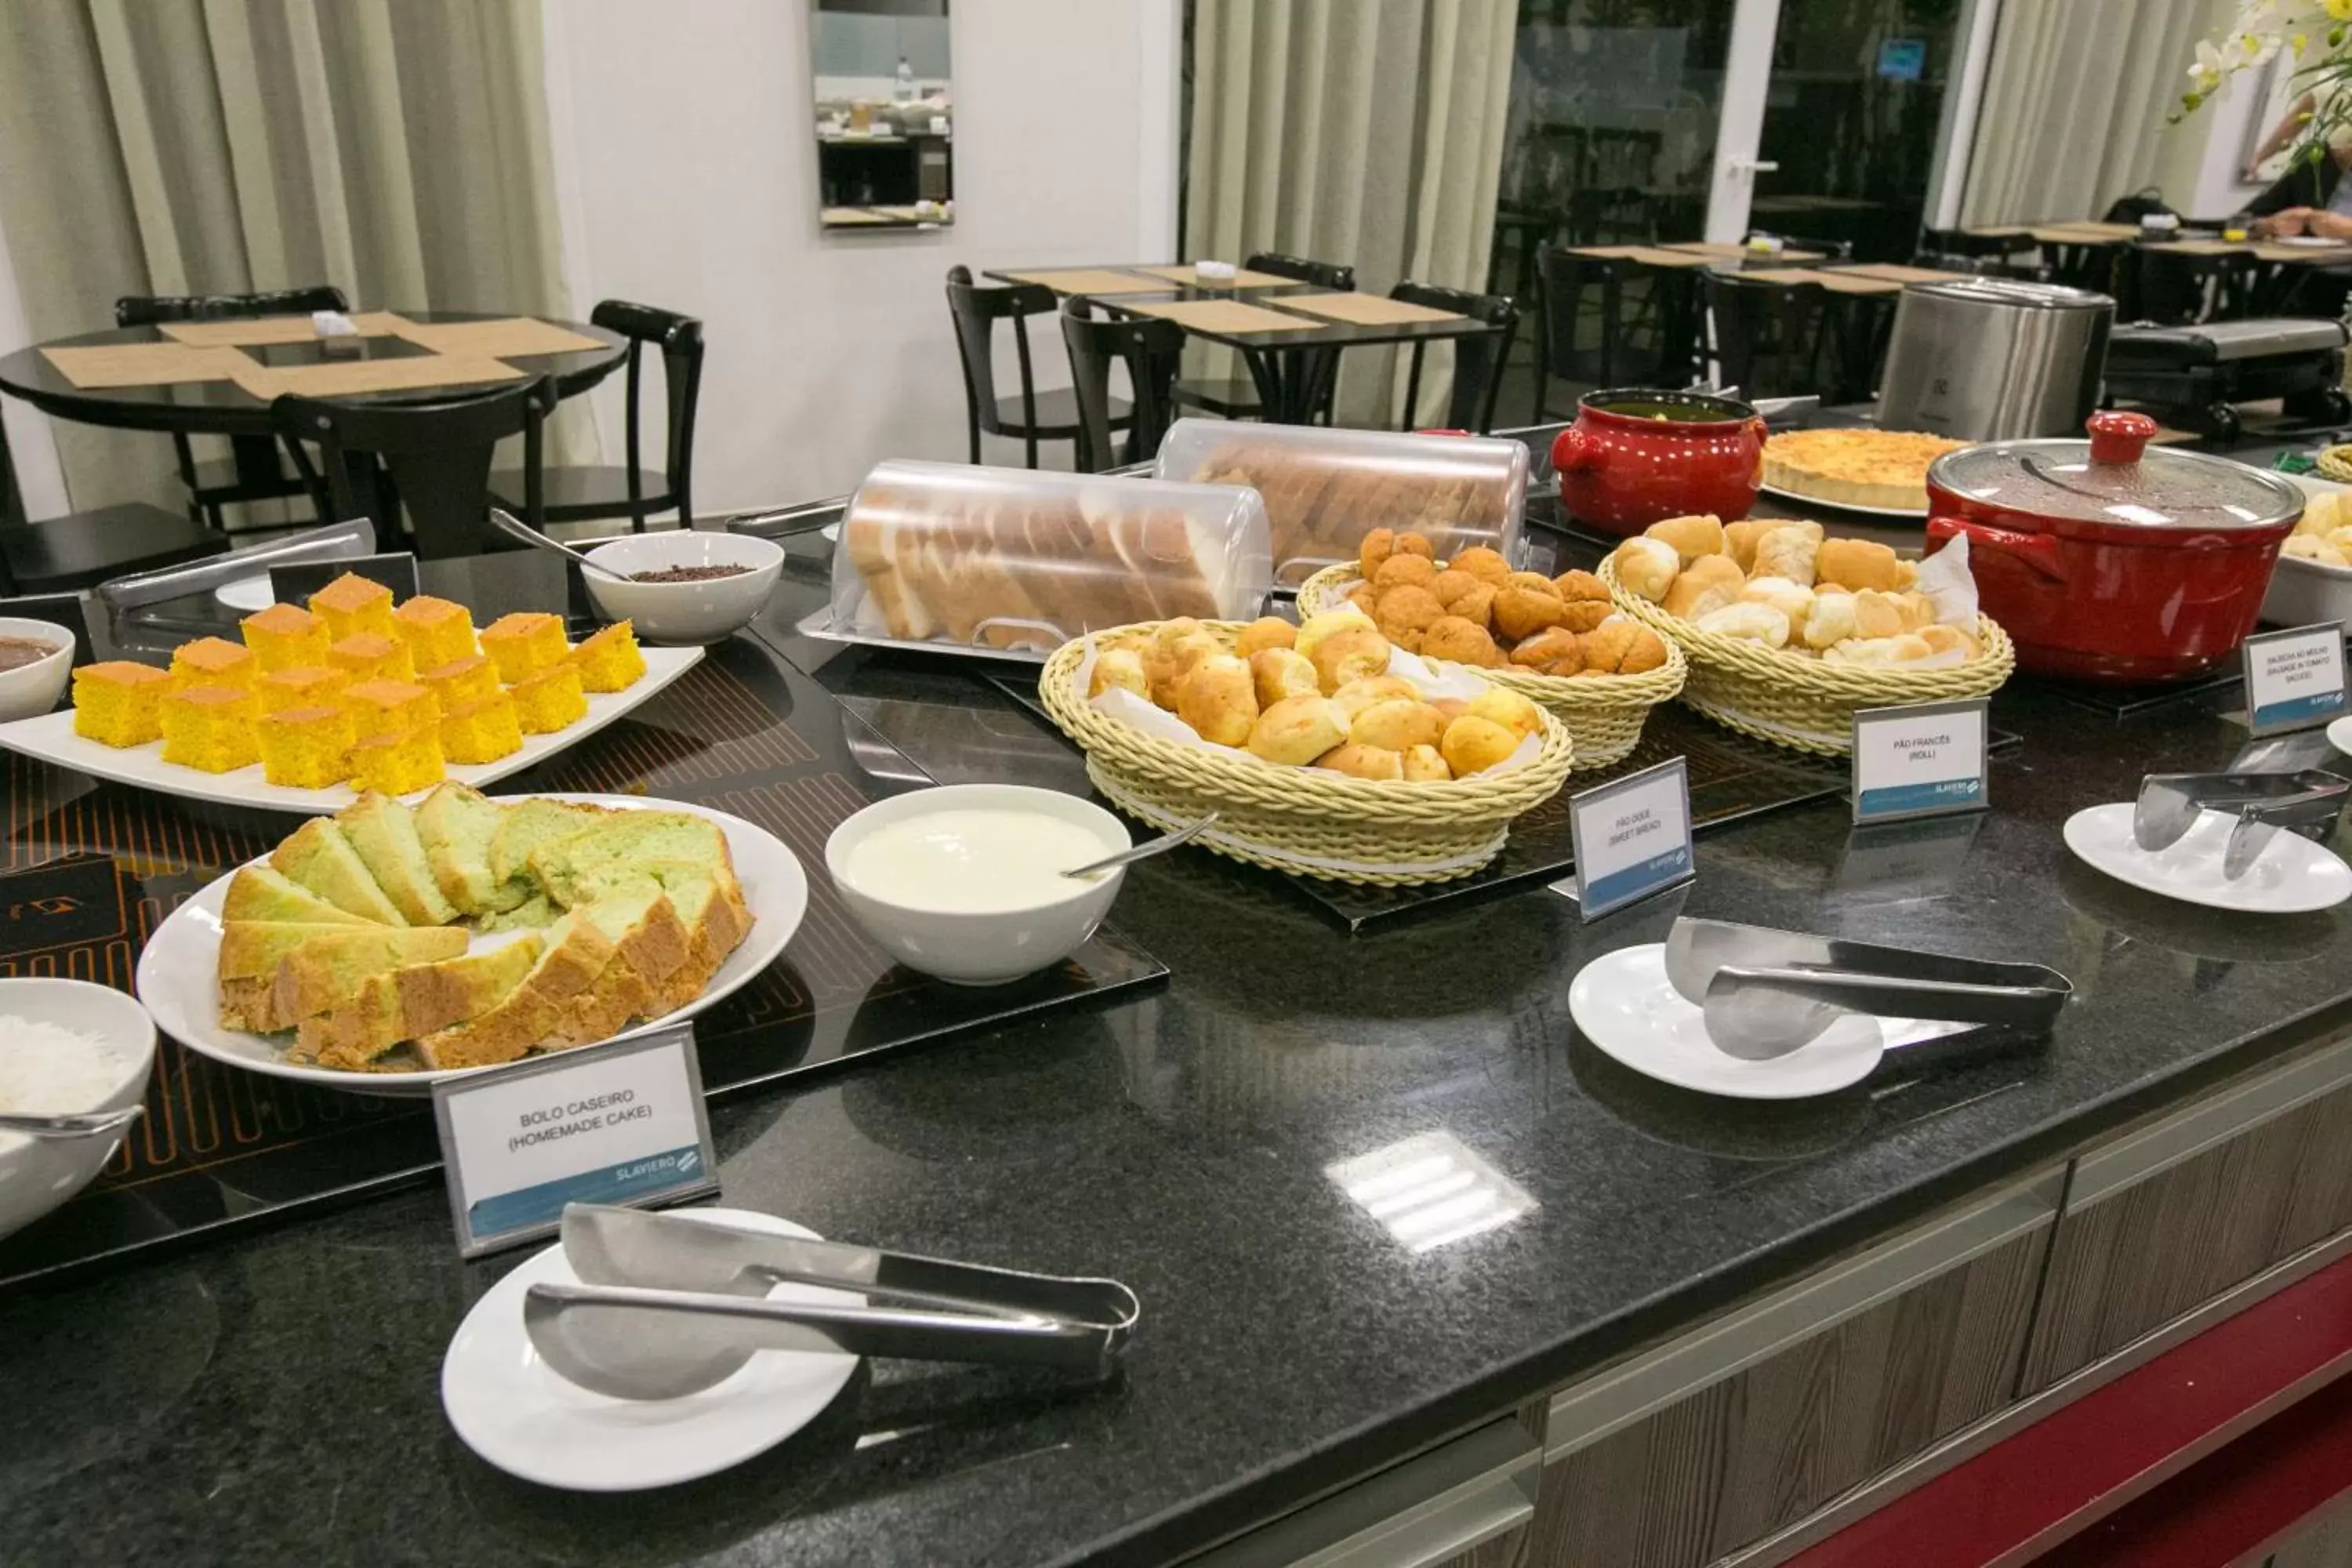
(2197, 374)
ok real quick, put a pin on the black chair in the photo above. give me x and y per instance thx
(1150, 349)
(83, 549)
(587, 492)
(1604, 321)
(1035, 416)
(434, 457)
(1767, 336)
(252, 471)
(1477, 360)
(1235, 397)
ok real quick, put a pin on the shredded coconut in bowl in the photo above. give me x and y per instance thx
(48, 1070)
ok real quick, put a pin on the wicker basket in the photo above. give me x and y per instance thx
(2334, 463)
(1802, 704)
(1603, 715)
(1300, 820)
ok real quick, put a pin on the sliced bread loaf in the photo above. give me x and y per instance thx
(318, 857)
(383, 832)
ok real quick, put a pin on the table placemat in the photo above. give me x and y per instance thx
(2197, 247)
(1999, 230)
(1898, 274)
(257, 331)
(1609, 252)
(2083, 233)
(1717, 251)
(1224, 316)
(356, 376)
(1089, 281)
(497, 339)
(147, 364)
(1653, 255)
(2304, 255)
(1243, 278)
(1368, 310)
(850, 215)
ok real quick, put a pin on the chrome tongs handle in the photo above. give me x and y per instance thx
(2308, 803)
(333, 542)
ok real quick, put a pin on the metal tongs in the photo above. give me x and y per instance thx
(1767, 992)
(2169, 805)
(670, 1306)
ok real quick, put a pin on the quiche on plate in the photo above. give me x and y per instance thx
(1884, 471)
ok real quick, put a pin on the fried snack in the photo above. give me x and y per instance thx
(1408, 543)
(1462, 641)
(1556, 651)
(1831, 622)
(1484, 564)
(1691, 537)
(1279, 672)
(1315, 628)
(1859, 564)
(1901, 649)
(1375, 548)
(1749, 621)
(1521, 612)
(1267, 631)
(1789, 551)
(1218, 700)
(1358, 695)
(1647, 567)
(1876, 614)
(1707, 584)
(1951, 639)
(1473, 745)
(1622, 647)
(1400, 570)
(1452, 584)
(1575, 586)
(1403, 613)
(1425, 764)
(1122, 667)
(1396, 724)
(1349, 655)
(1362, 761)
(1363, 598)
(1477, 605)
(1297, 729)
(1793, 600)
(1509, 708)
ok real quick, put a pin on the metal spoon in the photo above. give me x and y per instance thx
(508, 522)
(1148, 848)
(87, 1124)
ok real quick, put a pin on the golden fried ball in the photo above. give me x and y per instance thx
(1459, 639)
(1485, 563)
(1400, 571)
(1521, 613)
(1555, 651)
(1452, 584)
(1374, 549)
(1404, 613)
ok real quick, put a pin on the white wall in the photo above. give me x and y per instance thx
(30, 447)
(687, 174)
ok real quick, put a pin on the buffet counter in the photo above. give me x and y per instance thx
(1670, 1280)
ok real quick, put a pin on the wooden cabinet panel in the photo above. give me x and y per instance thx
(2131, 1255)
(1731, 1461)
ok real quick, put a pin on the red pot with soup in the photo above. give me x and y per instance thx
(1634, 457)
(2107, 559)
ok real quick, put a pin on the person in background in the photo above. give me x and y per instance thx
(2312, 198)
(2288, 131)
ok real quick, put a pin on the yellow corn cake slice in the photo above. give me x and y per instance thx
(304, 686)
(524, 643)
(353, 605)
(305, 748)
(210, 728)
(283, 637)
(437, 631)
(609, 660)
(118, 703)
(381, 708)
(462, 680)
(549, 701)
(214, 662)
(482, 731)
(400, 764)
(371, 656)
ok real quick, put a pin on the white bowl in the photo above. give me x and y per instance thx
(31, 689)
(980, 949)
(685, 612)
(37, 1174)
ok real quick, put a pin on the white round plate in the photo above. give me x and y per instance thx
(518, 1414)
(247, 594)
(1916, 514)
(2294, 876)
(178, 970)
(1626, 1007)
(2339, 735)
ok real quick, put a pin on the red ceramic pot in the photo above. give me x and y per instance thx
(2106, 561)
(1634, 457)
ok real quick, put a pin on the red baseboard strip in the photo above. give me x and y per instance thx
(2051, 1481)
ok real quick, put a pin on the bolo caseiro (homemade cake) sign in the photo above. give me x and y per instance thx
(621, 1122)
(1632, 837)
(1919, 760)
(2295, 678)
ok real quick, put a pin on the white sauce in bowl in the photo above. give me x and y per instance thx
(972, 861)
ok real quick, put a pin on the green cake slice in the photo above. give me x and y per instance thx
(263, 893)
(457, 824)
(402, 1003)
(383, 832)
(320, 858)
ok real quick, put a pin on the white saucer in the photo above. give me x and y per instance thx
(2339, 735)
(512, 1410)
(1625, 1005)
(247, 594)
(2294, 876)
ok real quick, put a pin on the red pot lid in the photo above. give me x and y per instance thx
(2115, 479)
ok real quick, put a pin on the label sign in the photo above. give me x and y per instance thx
(621, 1122)
(1632, 837)
(2295, 678)
(1919, 760)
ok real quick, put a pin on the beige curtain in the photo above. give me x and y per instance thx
(397, 148)
(1366, 131)
(2076, 107)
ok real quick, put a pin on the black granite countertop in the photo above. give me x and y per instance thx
(275, 1398)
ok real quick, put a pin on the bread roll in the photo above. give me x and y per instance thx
(1622, 647)
(1297, 729)
(1831, 622)
(1123, 668)
(1707, 584)
(1521, 612)
(1876, 614)
(1918, 611)
(1405, 612)
(2313, 547)
(1533, 582)
(1739, 540)
(1793, 600)
(1400, 570)
(1951, 639)
(1485, 564)
(1171, 659)
(1473, 745)
(1453, 708)
(1859, 564)
(1789, 551)
(1691, 537)
(1509, 708)
(1358, 695)
(1576, 585)
(1452, 584)
(1477, 605)
(1558, 651)
(1397, 724)
(1460, 641)
(1315, 628)
(1901, 649)
(1749, 621)
(1277, 673)
(1349, 656)
(1362, 761)
(1267, 631)
(1425, 764)
(1647, 567)
(1219, 701)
